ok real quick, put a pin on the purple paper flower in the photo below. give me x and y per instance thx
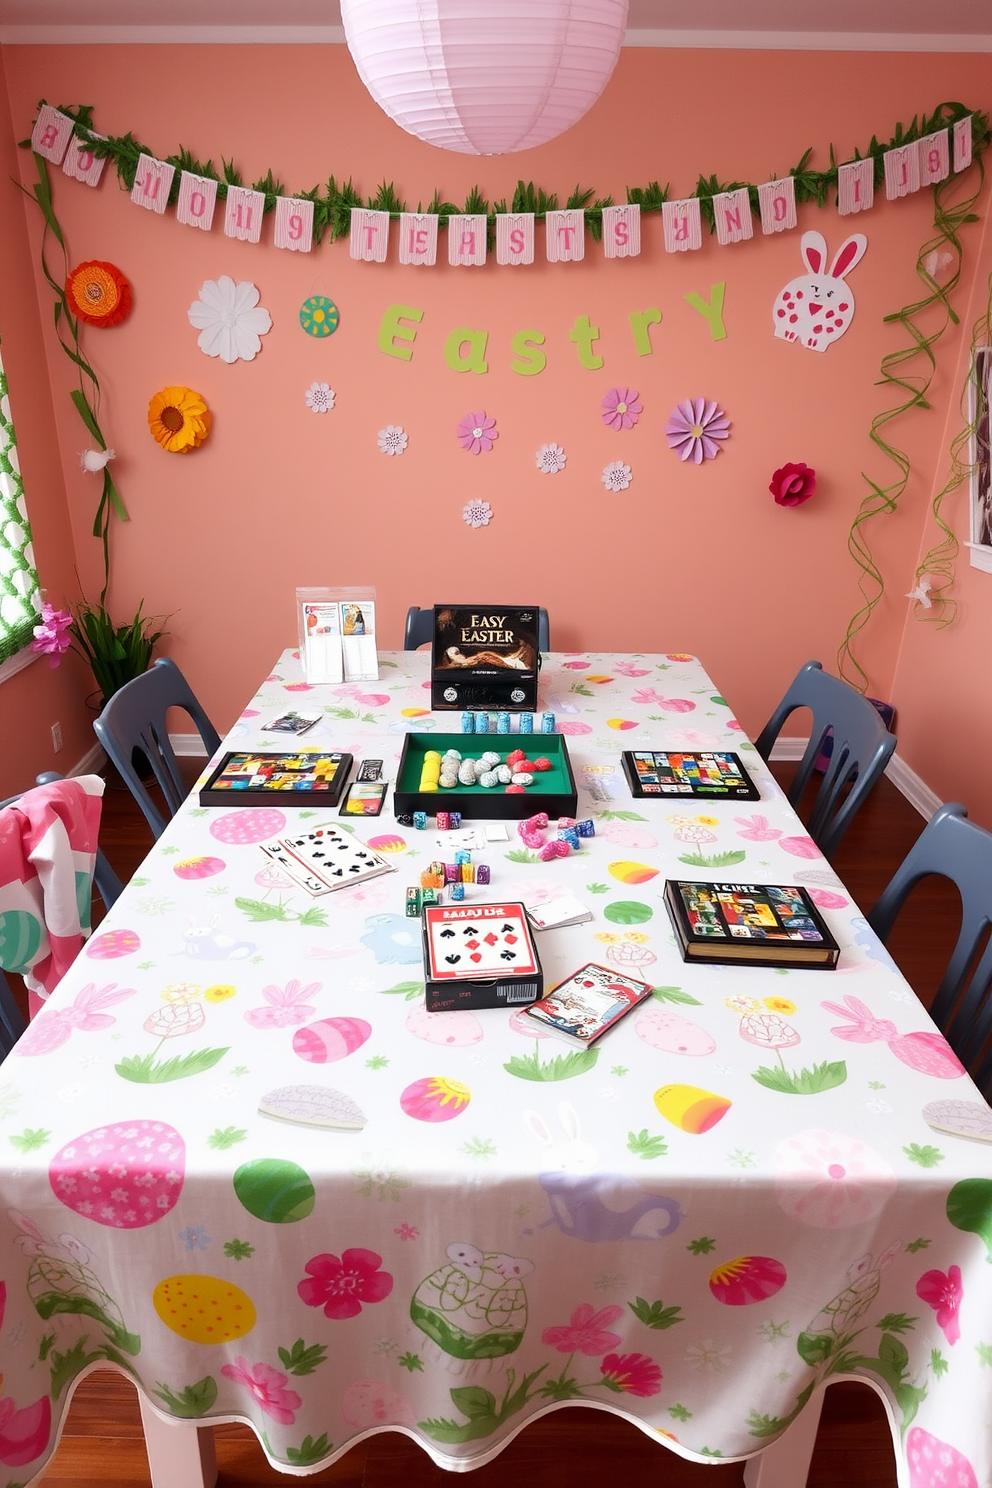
(621, 410)
(52, 635)
(694, 428)
(477, 432)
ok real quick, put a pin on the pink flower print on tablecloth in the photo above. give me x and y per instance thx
(650, 697)
(630, 669)
(477, 432)
(621, 408)
(371, 1403)
(585, 1332)
(343, 1284)
(53, 1028)
(24, 1433)
(631, 1374)
(926, 1051)
(936, 1464)
(756, 829)
(943, 1294)
(831, 1181)
(287, 1007)
(800, 847)
(268, 1388)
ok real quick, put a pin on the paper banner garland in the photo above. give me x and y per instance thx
(695, 428)
(817, 308)
(98, 293)
(179, 419)
(319, 316)
(230, 320)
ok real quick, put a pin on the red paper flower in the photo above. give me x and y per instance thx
(98, 293)
(341, 1284)
(793, 484)
(631, 1374)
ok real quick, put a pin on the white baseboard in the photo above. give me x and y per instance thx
(91, 763)
(906, 781)
(188, 744)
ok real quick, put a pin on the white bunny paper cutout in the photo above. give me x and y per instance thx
(817, 308)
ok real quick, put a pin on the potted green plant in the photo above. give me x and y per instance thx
(115, 653)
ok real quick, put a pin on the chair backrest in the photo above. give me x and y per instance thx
(420, 629)
(862, 747)
(957, 849)
(135, 719)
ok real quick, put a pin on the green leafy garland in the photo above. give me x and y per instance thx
(333, 204)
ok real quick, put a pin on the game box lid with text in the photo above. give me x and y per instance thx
(485, 656)
(479, 956)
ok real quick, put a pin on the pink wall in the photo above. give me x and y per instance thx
(37, 697)
(689, 558)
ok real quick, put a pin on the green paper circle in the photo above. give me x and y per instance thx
(277, 1191)
(319, 316)
(20, 937)
(628, 912)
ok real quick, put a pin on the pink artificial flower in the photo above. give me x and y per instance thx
(621, 409)
(694, 428)
(631, 1374)
(477, 432)
(793, 484)
(586, 1331)
(943, 1294)
(268, 1387)
(52, 636)
(342, 1284)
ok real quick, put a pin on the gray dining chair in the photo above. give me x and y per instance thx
(957, 849)
(420, 629)
(861, 748)
(134, 720)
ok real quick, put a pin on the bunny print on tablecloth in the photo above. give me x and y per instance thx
(817, 308)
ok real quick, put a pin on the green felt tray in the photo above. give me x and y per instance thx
(553, 790)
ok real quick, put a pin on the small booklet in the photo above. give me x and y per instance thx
(714, 774)
(565, 910)
(325, 859)
(762, 924)
(588, 1003)
(293, 723)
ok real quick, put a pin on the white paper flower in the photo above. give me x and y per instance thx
(550, 459)
(95, 460)
(393, 439)
(320, 397)
(229, 319)
(477, 513)
(617, 477)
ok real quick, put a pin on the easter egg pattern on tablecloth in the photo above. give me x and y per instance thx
(632, 873)
(435, 1099)
(628, 912)
(691, 1109)
(204, 1309)
(198, 867)
(275, 1190)
(747, 1279)
(124, 1176)
(248, 825)
(330, 1039)
(113, 943)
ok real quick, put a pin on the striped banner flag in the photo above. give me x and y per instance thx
(935, 158)
(962, 144)
(467, 241)
(777, 201)
(51, 133)
(418, 238)
(622, 231)
(565, 236)
(369, 235)
(732, 214)
(855, 187)
(294, 223)
(515, 238)
(682, 224)
(80, 162)
(902, 171)
(243, 214)
(197, 200)
(152, 183)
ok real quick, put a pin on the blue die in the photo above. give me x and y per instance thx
(420, 820)
(586, 828)
(462, 855)
(456, 890)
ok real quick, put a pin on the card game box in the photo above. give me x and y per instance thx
(713, 774)
(588, 1003)
(479, 956)
(260, 777)
(485, 656)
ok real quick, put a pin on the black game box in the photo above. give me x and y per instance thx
(485, 656)
(479, 956)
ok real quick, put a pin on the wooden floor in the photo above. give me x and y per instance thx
(102, 1445)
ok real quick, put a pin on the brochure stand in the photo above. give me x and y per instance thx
(337, 634)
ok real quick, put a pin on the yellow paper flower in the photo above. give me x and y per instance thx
(179, 419)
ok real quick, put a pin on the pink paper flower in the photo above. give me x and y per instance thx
(342, 1284)
(621, 410)
(694, 428)
(52, 635)
(477, 432)
(585, 1333)
(793, 484)
(267, 1386)
(631, 1374)
(943, 1294)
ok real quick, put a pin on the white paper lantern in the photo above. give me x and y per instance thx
(485, 77)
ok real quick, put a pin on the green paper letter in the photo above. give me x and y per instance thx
(474, 360)
(639, 322)
(711, 311)
(584, 335)
(525, 347)
(392, 331)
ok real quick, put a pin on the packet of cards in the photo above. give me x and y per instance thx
(325, 859)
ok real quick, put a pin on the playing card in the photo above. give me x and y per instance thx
(325, 859)
(479, 940)
(294, 869)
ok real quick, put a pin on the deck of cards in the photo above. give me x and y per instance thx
(478, 956)
(325, 859)
(555, 913)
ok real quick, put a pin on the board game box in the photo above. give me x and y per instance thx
(485, 656)
(759, 924)
(257, 777)
(479, 956)
(715, 774)
(553, 790)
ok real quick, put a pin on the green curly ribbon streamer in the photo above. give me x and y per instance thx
(939, 561)
(333, 204)
(67, 330)
(911, 370)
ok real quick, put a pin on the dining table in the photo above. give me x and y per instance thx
(762, 1180)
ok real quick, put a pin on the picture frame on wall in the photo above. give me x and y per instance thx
(980, 460)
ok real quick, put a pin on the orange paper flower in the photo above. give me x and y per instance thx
(98, 293)
(179, 419)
